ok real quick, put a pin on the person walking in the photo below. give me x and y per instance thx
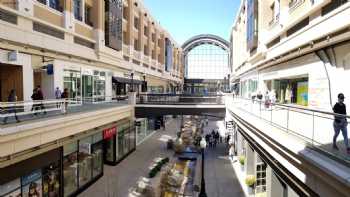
(40, 96)
(58, 94)
(340, 122)
(34, 98)
(12, 99)
(65, 96)
(231, 152)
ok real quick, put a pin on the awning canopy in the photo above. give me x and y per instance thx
(125, 80)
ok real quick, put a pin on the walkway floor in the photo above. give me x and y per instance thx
(221, 180)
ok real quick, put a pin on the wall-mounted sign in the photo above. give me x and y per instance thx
(109, 133)
(168, 55)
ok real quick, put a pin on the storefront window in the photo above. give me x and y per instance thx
(12, 188)
(99, 85)
(70, 168)
(51, 180)
(120, 144)
(32, 184)
(97, 155)
(85, 161)
(72, 81)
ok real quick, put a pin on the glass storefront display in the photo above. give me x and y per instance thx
(82, 163)
(38, 176)
(119, 142)
(99, 85)
(72, 81)
(70, 168)
(94, 85)
(291, 91)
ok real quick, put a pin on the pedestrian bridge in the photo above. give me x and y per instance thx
(150, 105)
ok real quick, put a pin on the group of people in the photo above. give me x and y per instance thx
(38, 96)
(213, 138)
(269, 98)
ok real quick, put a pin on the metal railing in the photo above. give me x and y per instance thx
(315, 127)
(11, 112)
(179, 99)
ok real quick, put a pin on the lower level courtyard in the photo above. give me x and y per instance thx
(126, 178)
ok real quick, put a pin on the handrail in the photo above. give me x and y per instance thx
(296, 107)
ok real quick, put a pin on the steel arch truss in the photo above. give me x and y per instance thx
(205, 39)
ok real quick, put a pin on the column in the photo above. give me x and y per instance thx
(98, 12)
(68, 14)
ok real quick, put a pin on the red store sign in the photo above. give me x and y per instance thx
(108, 133)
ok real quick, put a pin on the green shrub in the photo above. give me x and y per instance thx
(250, 180)
(241, 159)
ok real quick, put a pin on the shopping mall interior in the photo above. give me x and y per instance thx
(136, 98)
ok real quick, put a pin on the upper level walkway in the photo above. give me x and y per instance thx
(180, 104)
(299, 139)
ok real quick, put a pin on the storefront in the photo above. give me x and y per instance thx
(119, 141)
(289, 91)
(121, 86)
(82, 163)
(37, 176)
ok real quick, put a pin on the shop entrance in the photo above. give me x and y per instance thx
(87, 86)
(11, 77)
(292, 91)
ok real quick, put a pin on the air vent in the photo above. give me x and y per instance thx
(8, 17)
(84, 42)
(48, 30)
(332, 6)
(273, 42)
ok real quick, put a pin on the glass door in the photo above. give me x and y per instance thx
(87, 87)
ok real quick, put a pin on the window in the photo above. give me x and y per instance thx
(56, 4)
(77, 9)
(136, 45)
(136, 23)
(125, 13)
(88, 10)
(42, 1)
(145, 30)
(260, 176)
(334, 4)
(146, 50)
(153, 37)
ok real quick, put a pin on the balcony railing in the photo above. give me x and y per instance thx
(275, 20)
(137, 55)
(39, 109)
(126, 50)
(294, 4)
(181, 99)
(146, 59)
(313, 127)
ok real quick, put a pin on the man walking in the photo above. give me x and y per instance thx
(12, 99)
(340, 122)
(58, 94)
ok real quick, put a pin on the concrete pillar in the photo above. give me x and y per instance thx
(98, 11)
(25, 7)
(250, 160)
(68, 15)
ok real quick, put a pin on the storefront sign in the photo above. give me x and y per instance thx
(114, 19)
(108, 133)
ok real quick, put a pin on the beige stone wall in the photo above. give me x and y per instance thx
(9, 3)
(84, 30)
(48, 16)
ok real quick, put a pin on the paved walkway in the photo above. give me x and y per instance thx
(117, 180)
(221, 180)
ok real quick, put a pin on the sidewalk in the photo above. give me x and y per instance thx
(117, 180)
(220, 178)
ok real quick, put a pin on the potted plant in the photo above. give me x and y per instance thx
(250, 182)
(241, 160)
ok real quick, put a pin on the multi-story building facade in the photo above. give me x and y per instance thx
(96, 50)
(296, 50)
(295, 53)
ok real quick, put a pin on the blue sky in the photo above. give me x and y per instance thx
(186, 18)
